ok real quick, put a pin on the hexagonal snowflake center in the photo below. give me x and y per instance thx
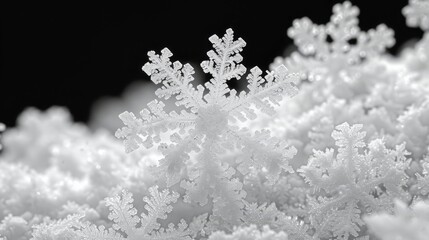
(211, 120)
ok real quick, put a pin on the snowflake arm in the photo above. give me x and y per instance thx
(210, 178)
(92, 232)
(122, 213)
(347, 222)
(417, 14)
(125, 219)
(264, 215)
(309, 37)
(343, 27)
(180, 232)
(373, 43)
(349, 139)
(60, 229)
(176, 79)
(157, 207)
(316, 171)
(264, 92)
(224, 64)
(145, 131)
(173, 164)
(259, 215)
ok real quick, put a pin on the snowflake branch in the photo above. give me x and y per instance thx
(176, 79)
(264, 92)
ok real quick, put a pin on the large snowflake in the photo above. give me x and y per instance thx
(334, 55)
(195, 141)
(353, 181)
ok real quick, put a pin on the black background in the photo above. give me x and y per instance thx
(72, 55)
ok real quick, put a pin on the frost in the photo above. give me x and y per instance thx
(269, 215)
(289, 194)
(408, 223)
(126, 221)
(58, 229)
(250, 233)
(353, 182)
(207, 127)
(417, 14)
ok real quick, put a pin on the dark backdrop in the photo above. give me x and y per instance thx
(72, 55)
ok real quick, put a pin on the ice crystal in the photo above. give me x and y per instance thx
(58, 229)
(126, 223)
(269, 215)
(353, 182)
(327, 52)
(417, 14)
(207, 125)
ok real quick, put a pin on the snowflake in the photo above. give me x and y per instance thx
(206, 128)
(328, 52)
(353, 182)
(125, 221)
(417, 14)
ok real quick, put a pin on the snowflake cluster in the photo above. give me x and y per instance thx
(207, 127)
(332, 143)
